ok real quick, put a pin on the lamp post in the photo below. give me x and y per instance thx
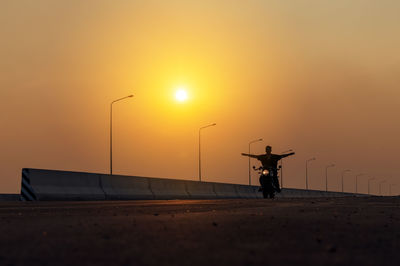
(251, 142)
(326, 176)
(290, 150)
(380, 183)
(200, 147)
(309, 160)
(111, 116)
(390, 189)
(369, 180)
(357, 181)
(347, 170)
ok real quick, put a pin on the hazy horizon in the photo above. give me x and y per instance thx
(319, 77)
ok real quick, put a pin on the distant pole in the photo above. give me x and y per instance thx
(111, 116)
(390, 189)
(347, 170)
(357, 182)
(251, 142)
(309, 160)
(200, 147)
(290, 150)
(326, 176)
(368, 184)
(380, 183)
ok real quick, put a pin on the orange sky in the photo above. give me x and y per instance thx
(320, 77)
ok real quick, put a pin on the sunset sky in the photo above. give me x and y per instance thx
(319, 77)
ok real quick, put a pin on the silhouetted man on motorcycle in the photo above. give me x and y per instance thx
(270, 161)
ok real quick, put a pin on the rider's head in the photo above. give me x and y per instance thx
(268, 149)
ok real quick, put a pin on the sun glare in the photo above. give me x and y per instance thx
(181, 95)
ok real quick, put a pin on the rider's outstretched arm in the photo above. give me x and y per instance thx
(287, 154)
(250, 155)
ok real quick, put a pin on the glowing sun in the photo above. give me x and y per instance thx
(181, 95)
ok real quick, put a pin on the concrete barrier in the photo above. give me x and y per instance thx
(200, 190)
(302, 193)
(225, 191)
(63, 185)
(27, 192)
(297, 193)
(247, 192)
(118, 187)
(39, 184)
(168, 188)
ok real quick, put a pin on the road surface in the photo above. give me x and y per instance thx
(339, 231)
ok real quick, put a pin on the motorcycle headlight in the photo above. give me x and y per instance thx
(265, 172)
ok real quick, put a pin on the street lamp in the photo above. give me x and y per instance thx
(290, 150)
(251, 142)
(380, 183)
(326, 176)
(111, 112)
(309, 160)
(200, 147)
(369, 182)
(347, 170)
(357, 181)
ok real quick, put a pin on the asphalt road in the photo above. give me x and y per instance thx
(341, 231)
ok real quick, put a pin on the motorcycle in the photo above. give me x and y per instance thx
(268, 181)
